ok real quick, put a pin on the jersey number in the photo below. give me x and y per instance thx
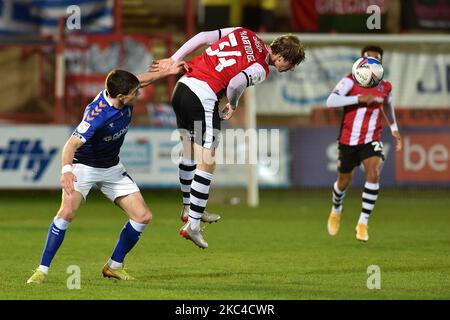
(377, 146)
(223, 62)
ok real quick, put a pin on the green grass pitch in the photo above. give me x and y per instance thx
(280, 250)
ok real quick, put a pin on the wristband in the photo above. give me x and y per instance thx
(66, 168)
(394, 127)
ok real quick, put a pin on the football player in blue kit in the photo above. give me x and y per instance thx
(91, 156)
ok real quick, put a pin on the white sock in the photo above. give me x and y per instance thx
(139, 227)
(60, 223)
(114, 265)
(364, 218)
(195, 224)
(199, 197)
(337, 211)
(44, 269)
(369, 196)
(338, 199)
(186, 172)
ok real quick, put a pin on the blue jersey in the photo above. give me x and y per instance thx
(103, 131)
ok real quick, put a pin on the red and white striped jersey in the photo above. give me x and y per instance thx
(361, 124)
(239, 51)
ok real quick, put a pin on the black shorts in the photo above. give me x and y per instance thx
(200, 120)
(352, 156)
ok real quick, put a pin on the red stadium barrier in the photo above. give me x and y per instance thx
(93, 56)
(72, 70)
(28, 85)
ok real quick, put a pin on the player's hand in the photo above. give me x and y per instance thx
(161, 65)
(398, 140)
(227, 112)
(366, 98)
(67, 182)
(178, 67)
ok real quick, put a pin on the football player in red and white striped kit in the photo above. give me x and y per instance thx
(360, 141)
(236, 59)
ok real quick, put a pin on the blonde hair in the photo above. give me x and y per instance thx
(289, 47)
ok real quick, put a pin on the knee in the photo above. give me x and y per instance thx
(205, 159)
(145, 217)
(208, 167)
(343, 182)
(373, 176)
(66, 213)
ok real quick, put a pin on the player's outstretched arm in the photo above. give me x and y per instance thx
(149, 77)
(67, 177)
(197, 41)
(200, 39)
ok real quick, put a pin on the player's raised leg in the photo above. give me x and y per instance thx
(199, 194)
(186, 171)
(140, 216)
(56, 233)
(372, 167)
(338, 195)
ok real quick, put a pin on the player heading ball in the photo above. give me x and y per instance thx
(235, 59)
(360, 141)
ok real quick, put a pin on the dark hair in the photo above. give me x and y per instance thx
(372, 48)
(289, 47)
(120, 82)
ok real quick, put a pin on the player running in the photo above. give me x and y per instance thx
(91, 156)
(236, 59)
(360, 141)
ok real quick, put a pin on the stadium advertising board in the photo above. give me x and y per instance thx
(28, 17)
(423, 161)
(151, 157)
(425, 157)
(30, 156)
(336, 15)
(426, 15)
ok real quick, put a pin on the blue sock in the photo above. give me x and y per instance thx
(55, 237)
(128, 238)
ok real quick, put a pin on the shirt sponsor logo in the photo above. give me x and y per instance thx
(117, 135)
(83, 127)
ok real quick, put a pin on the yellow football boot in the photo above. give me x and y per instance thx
(37, 277)
(334, 221)
(119, 274)
(361, 232)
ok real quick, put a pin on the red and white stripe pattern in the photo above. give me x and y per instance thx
(361, 124)
(364, 127)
